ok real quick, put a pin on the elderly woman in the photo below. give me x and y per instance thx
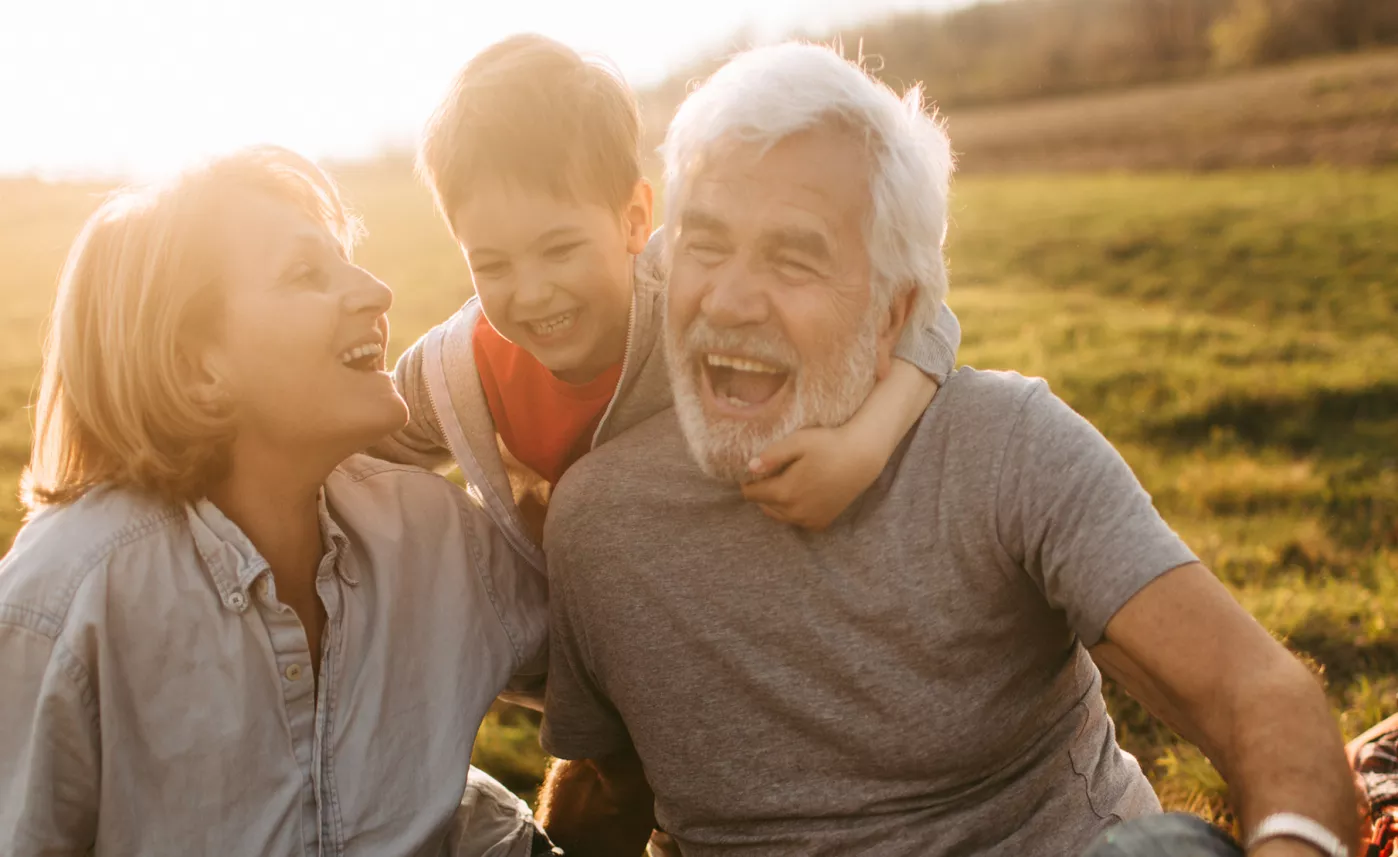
(221, 631)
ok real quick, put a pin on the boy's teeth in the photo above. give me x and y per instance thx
(743, 364)
(552, 325)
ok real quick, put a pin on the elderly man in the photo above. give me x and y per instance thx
(922, 678)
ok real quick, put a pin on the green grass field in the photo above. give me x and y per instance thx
(1236, 335)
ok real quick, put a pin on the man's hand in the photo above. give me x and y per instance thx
(598, 808)
(1198, 661)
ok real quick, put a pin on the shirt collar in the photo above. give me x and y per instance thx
(232, 560)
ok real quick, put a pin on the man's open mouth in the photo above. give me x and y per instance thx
(741, 383)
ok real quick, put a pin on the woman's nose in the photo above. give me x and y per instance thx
(368, 294)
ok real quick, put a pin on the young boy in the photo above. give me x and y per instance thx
(533, 159)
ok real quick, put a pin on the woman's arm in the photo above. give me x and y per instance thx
(49, 779)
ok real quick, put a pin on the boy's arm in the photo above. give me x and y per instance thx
(420, 442)
(932, 347)
(819, 472)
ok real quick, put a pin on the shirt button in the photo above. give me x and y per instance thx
(238, 601)
(293, 672)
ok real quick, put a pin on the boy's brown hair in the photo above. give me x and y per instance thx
(534, 112)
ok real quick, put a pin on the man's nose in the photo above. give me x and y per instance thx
(367, 294)
(736, 297)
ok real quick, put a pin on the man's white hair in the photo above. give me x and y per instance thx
(767, 94)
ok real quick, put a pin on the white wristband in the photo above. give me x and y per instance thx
(1289, 825)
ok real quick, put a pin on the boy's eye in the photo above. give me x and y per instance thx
(560, 252)
(490, 270)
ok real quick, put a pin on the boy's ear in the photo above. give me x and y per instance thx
(900, 311)
(638, 217)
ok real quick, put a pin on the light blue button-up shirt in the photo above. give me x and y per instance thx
(156, 697)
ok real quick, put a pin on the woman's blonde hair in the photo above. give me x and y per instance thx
(139, 286)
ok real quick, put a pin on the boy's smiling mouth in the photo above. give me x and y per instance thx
(553, 326)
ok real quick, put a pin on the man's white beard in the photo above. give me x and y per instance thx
(827, 393)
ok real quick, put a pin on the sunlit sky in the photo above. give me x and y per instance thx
(139, 87)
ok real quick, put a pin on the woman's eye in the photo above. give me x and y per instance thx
(488, 272)
(561, 251)
(310, 276)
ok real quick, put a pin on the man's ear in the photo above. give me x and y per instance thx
(638, 217)
(900, 311)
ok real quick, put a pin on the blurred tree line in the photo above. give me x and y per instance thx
(1020, 49)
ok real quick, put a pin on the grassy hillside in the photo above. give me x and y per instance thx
(1335, 110)
(1236, 335)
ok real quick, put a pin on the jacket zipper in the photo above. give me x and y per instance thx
(625, 363)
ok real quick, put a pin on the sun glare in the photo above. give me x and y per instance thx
(142, 87)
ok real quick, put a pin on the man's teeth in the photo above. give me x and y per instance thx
(553, 324)
(742, 364)
(361, 352)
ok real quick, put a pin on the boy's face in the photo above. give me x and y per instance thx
(553, 275)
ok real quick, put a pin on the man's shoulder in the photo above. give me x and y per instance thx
(964, 433)
(59, 550)
(990, 388)
(625, 472)
(647, 450)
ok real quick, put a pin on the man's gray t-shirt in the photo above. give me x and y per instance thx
(912, 681)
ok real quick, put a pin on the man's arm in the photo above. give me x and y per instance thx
(1073, 515)
(1196, 659)
(598, 808)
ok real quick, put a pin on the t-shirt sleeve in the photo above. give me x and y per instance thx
(580, 722)
(1073, 515)
(932, 347)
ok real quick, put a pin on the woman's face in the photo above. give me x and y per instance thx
(300, 346)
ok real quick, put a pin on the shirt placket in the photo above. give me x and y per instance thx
(331, 828)
(309, 704)
(292, 654)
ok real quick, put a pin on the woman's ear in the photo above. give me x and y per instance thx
(900, 311)
(639, 217)
(199, 377)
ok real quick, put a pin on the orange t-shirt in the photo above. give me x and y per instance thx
(545, 423)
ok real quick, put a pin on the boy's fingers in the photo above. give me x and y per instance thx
(765, 491)
(772, 513)
(778, 454)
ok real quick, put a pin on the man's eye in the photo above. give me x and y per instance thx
(706, 253)
(793, 268)
(561, 252)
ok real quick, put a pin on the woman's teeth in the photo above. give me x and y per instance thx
(553, 324)
(373, 350)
